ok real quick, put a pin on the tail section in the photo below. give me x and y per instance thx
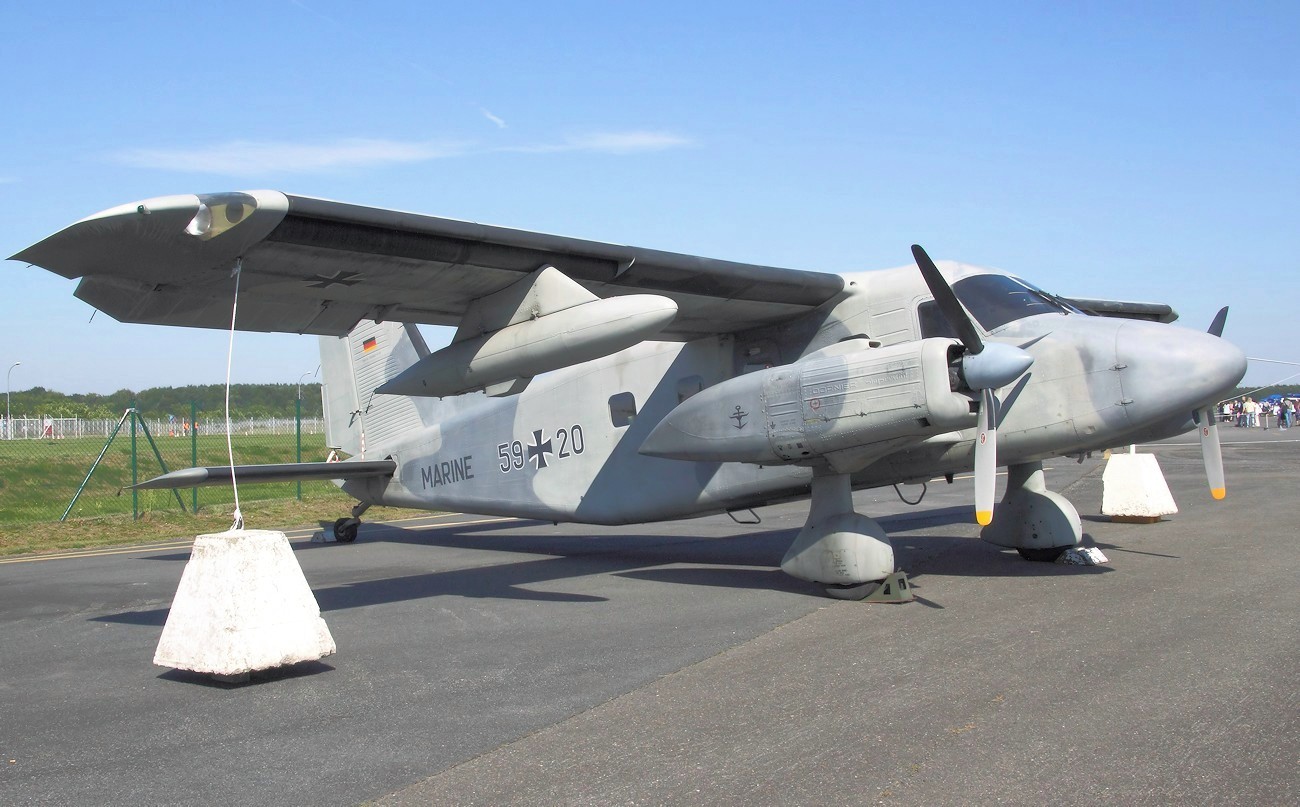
(356, 419)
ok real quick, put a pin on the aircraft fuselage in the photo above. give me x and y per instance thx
(566, 448)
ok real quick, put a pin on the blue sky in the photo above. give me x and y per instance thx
(1130, 151)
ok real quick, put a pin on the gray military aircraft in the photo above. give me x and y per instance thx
(607, 384)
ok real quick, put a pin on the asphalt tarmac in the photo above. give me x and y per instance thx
(508, 662)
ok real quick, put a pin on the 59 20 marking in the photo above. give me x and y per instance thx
(515, 455)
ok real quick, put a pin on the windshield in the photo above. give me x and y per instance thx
(993, 300)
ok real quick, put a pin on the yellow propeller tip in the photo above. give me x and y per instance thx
(1218, 493)
(985, 517)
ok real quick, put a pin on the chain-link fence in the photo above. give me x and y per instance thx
(45, 462)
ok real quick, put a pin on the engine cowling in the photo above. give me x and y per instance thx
(829, 402)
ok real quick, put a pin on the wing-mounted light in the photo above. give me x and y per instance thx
(220, 212)
(985, 367)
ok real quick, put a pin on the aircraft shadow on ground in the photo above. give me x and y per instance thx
(740, 561)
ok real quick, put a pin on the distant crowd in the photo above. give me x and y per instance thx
(1247, 412)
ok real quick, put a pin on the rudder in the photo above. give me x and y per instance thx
(356, 419)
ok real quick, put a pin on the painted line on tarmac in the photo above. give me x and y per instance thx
(92, 552)
(441, 524)
(99, 552)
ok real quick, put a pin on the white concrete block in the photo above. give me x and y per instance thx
(243, 604)
(1133, 486)
(1082, 556)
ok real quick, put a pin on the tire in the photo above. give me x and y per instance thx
(1048, 555)
(345, 530)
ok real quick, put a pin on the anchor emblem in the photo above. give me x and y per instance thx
(739, 417)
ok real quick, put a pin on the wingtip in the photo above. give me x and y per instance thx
(1218, 493)
(984, 517)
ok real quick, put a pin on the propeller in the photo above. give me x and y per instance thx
(985, 366)
(1210, 450)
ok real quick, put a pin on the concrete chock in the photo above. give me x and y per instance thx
(243, 605)
(1082, 556)
(893, 588)
(1132, 487)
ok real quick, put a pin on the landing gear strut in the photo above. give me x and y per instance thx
(846, 552)
(345, 529)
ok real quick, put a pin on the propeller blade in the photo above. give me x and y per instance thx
(1212, 453)
(986, 457)
(1221, 318)
(947, 301)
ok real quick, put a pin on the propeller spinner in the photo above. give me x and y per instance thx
(985, 367)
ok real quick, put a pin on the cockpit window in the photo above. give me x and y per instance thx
(993, 300)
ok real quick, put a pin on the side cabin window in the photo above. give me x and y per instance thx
(622, 409)
(689, 386)
(993, 300)
(933, 323)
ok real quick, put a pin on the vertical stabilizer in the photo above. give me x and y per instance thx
(357, 420)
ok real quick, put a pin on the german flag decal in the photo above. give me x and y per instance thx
(369, 345)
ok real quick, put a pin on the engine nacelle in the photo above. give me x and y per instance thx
(823, 404)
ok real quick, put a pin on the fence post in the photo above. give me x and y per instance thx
(297, 429)
(194, 450)
(135, 493)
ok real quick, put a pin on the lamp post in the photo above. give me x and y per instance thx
(304, 375)
(9, 421)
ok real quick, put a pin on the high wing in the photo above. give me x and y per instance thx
(320, 267)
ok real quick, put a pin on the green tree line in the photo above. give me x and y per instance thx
(246, 400)
(1289, 390)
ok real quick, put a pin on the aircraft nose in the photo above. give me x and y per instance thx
(1168, 370)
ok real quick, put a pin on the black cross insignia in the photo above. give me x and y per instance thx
(538, 450)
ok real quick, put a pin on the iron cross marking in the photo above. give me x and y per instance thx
(339, 278)
(538, 450)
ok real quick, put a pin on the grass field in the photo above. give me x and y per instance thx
(38, 479)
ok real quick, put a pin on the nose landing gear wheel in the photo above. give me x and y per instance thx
(1045, 555)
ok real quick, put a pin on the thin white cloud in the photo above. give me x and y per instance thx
(487, 114)
(260, 158)
(610, 143)
(627, 142)
(247, 157)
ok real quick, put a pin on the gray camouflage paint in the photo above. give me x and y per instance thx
(553, 453)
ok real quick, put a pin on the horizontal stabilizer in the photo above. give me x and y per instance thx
(281, 472)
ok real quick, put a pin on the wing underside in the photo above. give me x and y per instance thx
(315, 266)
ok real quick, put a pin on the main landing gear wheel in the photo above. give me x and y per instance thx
(851, 591)
(345, 530)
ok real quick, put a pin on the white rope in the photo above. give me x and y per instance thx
(1266, 386)
(230, 352)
